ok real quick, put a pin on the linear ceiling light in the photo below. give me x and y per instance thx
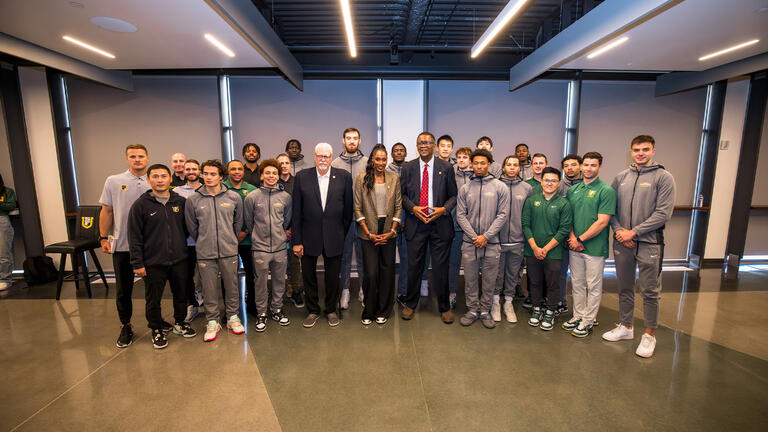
(504, 17)
(607, 47)
(89, 47)
(219, 45)
(727, 50)
(346, 11)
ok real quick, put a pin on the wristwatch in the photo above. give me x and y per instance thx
(103, 238)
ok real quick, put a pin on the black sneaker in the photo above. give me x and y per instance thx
(280, 318)
(158, 339)
(527, 303)
(561, 308)
(126, 336)
(167, 327)
(184, 329)
(297, 300)
(261, 322)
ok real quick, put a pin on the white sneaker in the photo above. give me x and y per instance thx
(345, 299)
(4, 286)
(192, 312)
(619, 333)
(235, 325)
(647, 345)
(509, 312)
(424, 288)
(496, 312)
(211, 330)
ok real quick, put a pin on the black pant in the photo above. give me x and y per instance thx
(247, 258)
(121, 262)
(154, 285)
(189, 291)
(440, 251)
(309, 276)
(544, 279)
(378, 277)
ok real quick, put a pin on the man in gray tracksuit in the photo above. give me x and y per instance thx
(482, 208)
(645, 200)
(352, 161)
(267, 217)
(511, 240)
(214, 216)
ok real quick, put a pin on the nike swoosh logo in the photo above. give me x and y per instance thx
(153, 213)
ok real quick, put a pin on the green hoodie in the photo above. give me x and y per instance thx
(7, 201)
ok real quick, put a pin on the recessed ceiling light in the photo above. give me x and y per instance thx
(607, 47)
(114, 24)
(219, 45)
(87, 46)
(727, 50)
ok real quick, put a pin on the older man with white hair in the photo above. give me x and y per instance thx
(322, 212)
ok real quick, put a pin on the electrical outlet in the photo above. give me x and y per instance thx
(724, 145)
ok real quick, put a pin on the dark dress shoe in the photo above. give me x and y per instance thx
(407, 313)
(447, 317)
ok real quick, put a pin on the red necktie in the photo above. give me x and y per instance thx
(424, 197)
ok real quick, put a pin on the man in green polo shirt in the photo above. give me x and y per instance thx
(593, 202)
(234, 181)
(547, 221)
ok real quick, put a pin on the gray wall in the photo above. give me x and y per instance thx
(612, 113)
(757, 230)
(269, 112)
(467, 110)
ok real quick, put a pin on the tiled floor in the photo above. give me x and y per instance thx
(62, 371)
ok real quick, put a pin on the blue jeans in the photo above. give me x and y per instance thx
(350, 241)
(454, 262)
(6, 249)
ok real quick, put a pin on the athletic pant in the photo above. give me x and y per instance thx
(121, 262)
(486, 258)
(379, 280)
(564, 275)
(544, 274)
(510, 264)
(311, 290)
(244, 251)
(193, 277)
(154, 285)
(351, 241)
(211, 271)
(587, 284)
(647, 258)
(265, 263)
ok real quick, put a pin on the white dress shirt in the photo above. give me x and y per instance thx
(322, 181)
(430, 169)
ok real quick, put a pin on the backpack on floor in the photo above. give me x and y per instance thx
(39, 270)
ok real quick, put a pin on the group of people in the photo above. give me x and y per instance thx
(441, 209)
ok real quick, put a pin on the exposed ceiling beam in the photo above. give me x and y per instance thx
(600, 25)
(248, 21)
(680, 81)
(37, 54)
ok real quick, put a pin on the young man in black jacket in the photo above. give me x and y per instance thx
(157, 238)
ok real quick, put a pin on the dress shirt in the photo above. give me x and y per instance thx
(322, 181)
(430, 169)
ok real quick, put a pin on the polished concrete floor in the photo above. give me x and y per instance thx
(62, 371)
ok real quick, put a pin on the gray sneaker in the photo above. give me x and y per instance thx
(487, 320)
(310, 320)
(468, 319)
(333, 319)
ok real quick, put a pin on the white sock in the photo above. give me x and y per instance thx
(509, 299)
(496, 298)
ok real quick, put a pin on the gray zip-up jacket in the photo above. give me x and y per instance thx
(267, 216)
(482, 208)
(645, 199)
(526, 171)
(567, 183)
(214, 221)
(512, 230)
(462, 178)
(354, 164)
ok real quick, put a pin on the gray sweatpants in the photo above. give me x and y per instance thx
(210, 271)
(474, 259)
(587, 283)
(510, 263)
(647, 258)
(263, 264)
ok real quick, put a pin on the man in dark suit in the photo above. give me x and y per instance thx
(322, 212)
(429, 196)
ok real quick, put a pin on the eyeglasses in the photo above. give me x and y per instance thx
(550, 181)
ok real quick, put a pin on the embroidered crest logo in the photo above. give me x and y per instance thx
(86, 222)
(175, 209)
(123, 187)
(537, 203)
(591, 193)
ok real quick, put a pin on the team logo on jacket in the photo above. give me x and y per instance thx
(519, 197)
(591, 193)
(175, 209)
(123, 187)
(277, 205)
(225, 205)
(645, 184)
(86, 222)
(537, 203)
